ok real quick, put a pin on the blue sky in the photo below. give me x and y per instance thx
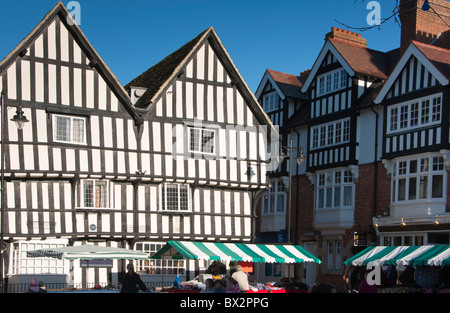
(133, 35)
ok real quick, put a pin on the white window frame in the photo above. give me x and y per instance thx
(109, 193)
(200, 143)
(331, 81)
(157, 267)
(416, 113)
(21, 264)
(410, 175)
(270, 204)
(330, 134)
(71, 129)
(271, 102)
(332, 189)
(163, 197)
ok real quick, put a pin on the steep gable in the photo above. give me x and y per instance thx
(204, 58)
(56, 58)
(421, 66)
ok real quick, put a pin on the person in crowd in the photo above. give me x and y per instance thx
(232, 285)
(366, 287)
(241, 278)
(34, 287)
(131, 282)
(209, 286)
(218, 287)
(323, 288)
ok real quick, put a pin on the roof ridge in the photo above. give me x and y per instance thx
(155, 77)
(429, 45)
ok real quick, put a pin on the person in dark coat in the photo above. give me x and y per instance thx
(131, 282)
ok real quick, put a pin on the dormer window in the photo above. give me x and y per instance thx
(271, 102)
(331, 81)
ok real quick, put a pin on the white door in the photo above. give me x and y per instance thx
(311, 267)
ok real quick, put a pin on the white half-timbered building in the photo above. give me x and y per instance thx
(180, 153)
(416, 147)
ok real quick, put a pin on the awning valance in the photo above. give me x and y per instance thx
(88, 252)
(434, 255)
(258, 253)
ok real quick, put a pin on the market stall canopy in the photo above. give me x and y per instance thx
(257, 253)
(434, 255)
(88, 252)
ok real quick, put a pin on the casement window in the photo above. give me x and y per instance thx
(69, 129)
(271, 102)
(331, 81)
(95, 194)
(274, 201)
(157, 267)
(414, 114)
(202, 140)
(175, 197)
(325, 135)
(418, 179)
(334, 189)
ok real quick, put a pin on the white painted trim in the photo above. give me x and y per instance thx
(412, 50)
(327, 47)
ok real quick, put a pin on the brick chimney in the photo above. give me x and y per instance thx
(347, 37)
(420, 25)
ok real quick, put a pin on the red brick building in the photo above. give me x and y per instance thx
(375, 127)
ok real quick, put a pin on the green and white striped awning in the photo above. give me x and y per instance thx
(258, 253)
(434, 255)
(88, 252)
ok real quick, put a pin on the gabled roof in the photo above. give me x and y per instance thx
(356, 60)
(363, 60)
(287, 85)
(84, 44)
(155, 77)
(435, 59)
(160, 76)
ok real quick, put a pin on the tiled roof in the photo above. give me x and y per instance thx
(363, 60)
(440, 57)
(154, 78)
(290, 85)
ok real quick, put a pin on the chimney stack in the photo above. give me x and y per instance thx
(347, 36)
(420, 25)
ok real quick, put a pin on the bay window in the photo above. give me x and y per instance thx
(274, 201)
(334, 189)
(421, 178)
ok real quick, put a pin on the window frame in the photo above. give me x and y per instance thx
(163, 197)
(423, 171)
(71, 135)
(331, 190)
(414, 114)
(276, 190)
(322, 137)
(109, 193)
(200, 136)
(331, 81)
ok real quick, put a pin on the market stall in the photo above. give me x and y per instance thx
(236, 252)
(404, 268)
